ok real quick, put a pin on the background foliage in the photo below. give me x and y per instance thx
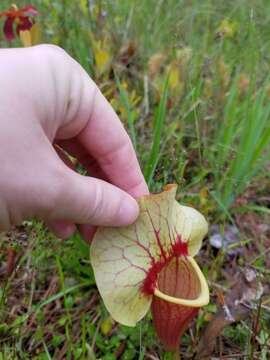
(190, 82)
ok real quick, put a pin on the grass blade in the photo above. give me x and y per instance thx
(159, 120)
(130, 114)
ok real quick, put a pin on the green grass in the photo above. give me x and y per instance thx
(209, 132)
(158, 123)
(241, 149)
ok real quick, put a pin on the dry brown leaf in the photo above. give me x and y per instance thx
(155, 64)
(237, 306)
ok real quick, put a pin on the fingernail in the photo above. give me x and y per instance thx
(129, 211)
(62, 229)
(67, 231)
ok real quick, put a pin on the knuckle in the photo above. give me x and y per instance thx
(51, 55)
(105, 206)
(122, 154)
(96, 208)
(50, 49)
(100, 211)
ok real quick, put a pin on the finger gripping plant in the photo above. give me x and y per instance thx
(150, 264)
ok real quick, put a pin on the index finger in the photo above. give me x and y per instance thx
(105, 138)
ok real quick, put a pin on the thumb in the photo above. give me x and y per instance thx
(87, 200)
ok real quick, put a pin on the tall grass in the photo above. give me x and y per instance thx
(159, 120)
(124, 101)
(242, 144)
(213, 136)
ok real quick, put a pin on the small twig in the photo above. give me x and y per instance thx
(33, 286)
(146, 94)
(255, 328)
(220, 348)
(11, 253)
(128, 23)
(152, 357)
(238, 355)
(95, 335)
(250, 331)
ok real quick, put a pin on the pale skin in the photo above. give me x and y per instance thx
(49, 103)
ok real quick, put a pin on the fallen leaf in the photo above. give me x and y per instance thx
(155, 64)
(238, 303)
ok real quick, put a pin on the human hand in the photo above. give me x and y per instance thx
(48, 99)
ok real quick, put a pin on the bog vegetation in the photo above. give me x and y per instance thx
(190, 81)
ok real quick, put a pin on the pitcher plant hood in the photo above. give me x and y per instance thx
(151, 262)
